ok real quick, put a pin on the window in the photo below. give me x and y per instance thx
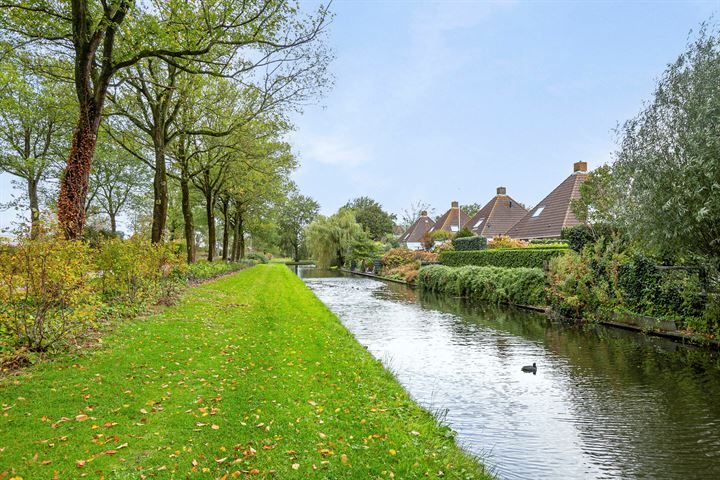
(479, 222)
(538, 211)
(454, 228)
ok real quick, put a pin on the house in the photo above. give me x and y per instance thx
(413, 236)
(452, 221)
(497, 216)
(553, 213)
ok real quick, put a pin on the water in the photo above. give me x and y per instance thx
(605, 403)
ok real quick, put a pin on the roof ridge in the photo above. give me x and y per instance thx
(569, 203)
(492, 209)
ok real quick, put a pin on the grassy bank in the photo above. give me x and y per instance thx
(248, 375)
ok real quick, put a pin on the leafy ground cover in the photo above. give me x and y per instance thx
(250, 376)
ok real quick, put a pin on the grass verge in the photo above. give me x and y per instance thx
(247, 376)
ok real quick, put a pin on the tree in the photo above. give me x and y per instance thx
(471, 208)
(296, 213)
(330, 239)
(89, 42)
(33, 125)
(371, 216)
(598, 198)
(115, 178)
(463, 233)
(412, 213)
(667, 172)
(257, 180)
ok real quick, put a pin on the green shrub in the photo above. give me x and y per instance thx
(54, 291)
(257, 257)
(47, 297)
(520, 286)
(546, 241)
(404, 256)
(137, 271)
(441, 235)
(604, 279)
(464, 233)
(464, 244)
(509, 258)
(580, 235)
(554, 244)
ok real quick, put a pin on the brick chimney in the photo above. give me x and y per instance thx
(580, 167)
(423, 213)
(455, 204)
(501, 191)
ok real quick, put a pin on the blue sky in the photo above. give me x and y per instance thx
(446, 100)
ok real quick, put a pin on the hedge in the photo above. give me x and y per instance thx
(469, 243)
(519, 286)
(509, 258)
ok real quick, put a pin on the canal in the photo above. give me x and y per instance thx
(604, 403)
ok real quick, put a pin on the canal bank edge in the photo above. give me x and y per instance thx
(624, 320)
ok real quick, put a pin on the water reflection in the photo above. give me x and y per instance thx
(605, 403)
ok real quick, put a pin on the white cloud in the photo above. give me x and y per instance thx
(338, 150)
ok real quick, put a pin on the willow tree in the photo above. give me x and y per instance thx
(330, 239)
(88, 42)
(667, 169)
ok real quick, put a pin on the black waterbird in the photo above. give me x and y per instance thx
(530, 368)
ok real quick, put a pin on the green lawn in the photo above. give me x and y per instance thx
(248, 376)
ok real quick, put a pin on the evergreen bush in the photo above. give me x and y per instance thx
(519, 286)
(508, 258)
(470, 243)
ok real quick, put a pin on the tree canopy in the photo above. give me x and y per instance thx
(667, 173)
(370, 214)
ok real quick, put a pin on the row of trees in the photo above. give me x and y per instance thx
(118, 107)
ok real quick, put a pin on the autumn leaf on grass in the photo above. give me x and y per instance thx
(63, 419)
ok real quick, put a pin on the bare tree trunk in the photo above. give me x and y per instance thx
(160, 206)
(236, 237)
(74, 184)
(188, 219)
(226, 229)
(241, 236)
(34, 209)
(210, 212)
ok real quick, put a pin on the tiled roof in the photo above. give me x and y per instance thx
(496, 217)
(554, 212)
(417, 230)
(450, 220)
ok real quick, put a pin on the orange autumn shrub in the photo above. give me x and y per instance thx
(503, 241)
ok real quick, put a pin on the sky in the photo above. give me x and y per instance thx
(447, 100)
(438, 101)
